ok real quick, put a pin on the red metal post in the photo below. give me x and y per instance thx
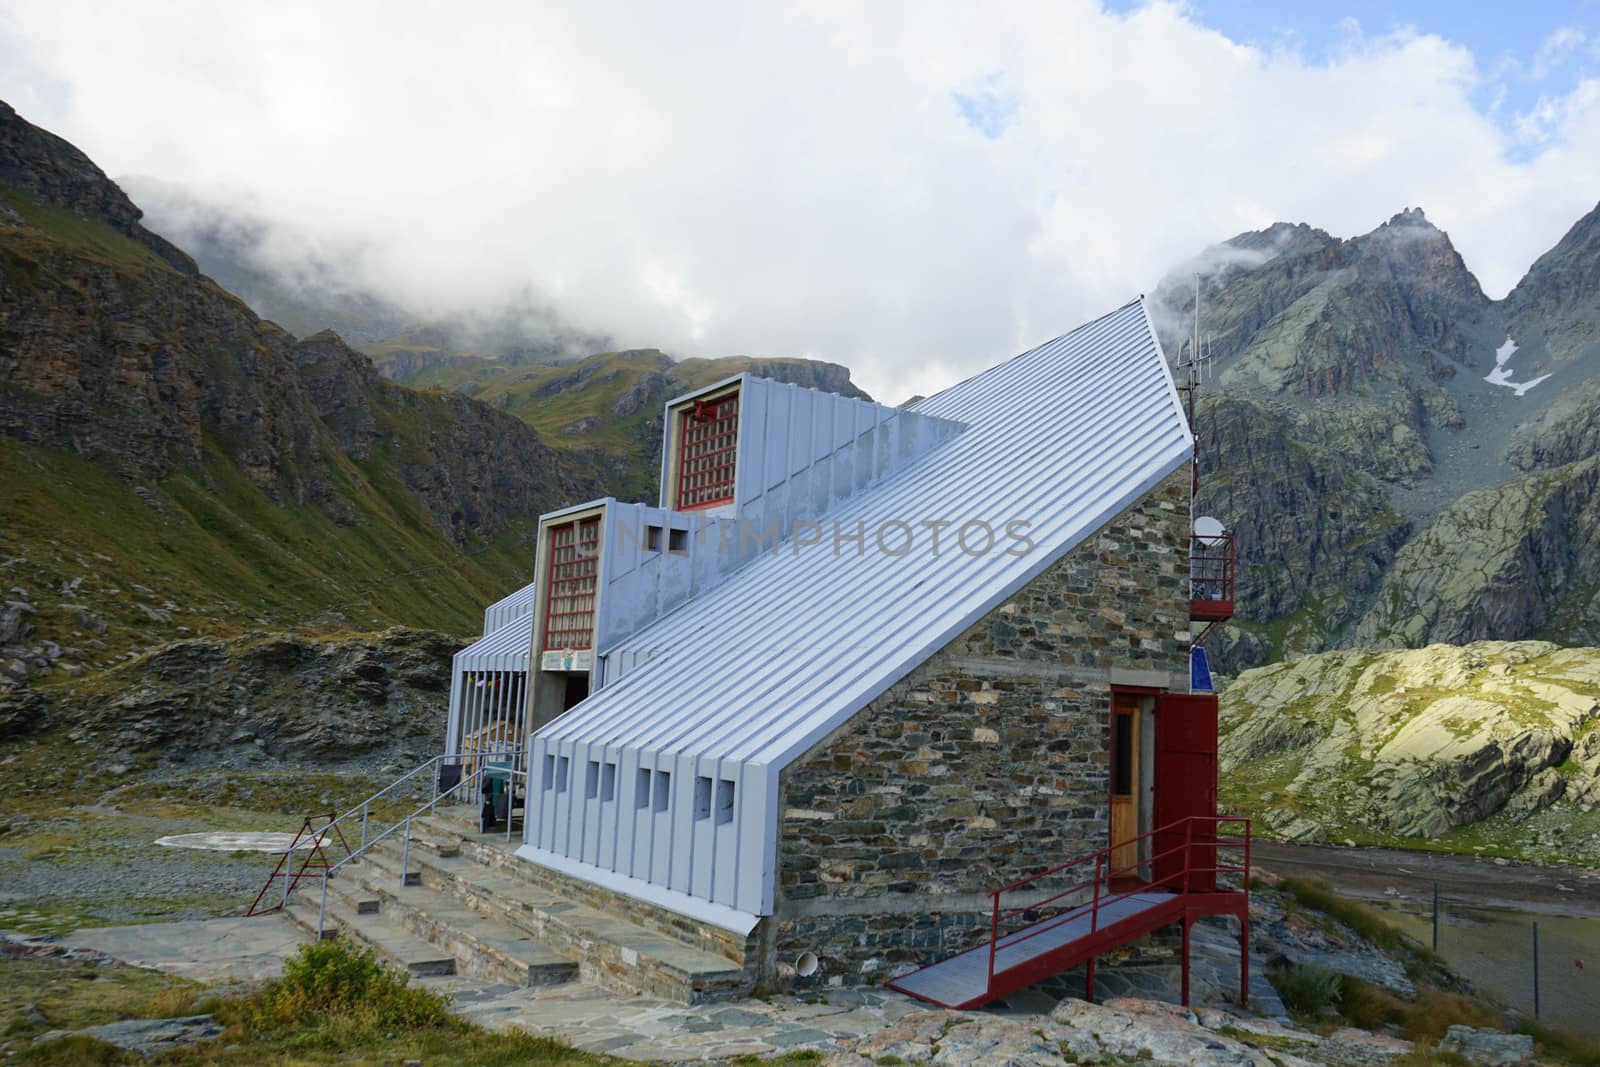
(1186, 960)
(1088, 981)
(1244, 927)
(994, 938)
(1244, 958)
(1188, 862)
(1094, 913)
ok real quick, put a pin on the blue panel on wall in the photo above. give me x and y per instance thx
(1199, 671)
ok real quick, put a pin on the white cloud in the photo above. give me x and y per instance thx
(1556, 49)
(802, 180)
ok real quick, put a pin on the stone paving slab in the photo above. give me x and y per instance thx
(206, 950)
(641, 1027)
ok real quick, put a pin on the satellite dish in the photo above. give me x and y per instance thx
(1208, 529)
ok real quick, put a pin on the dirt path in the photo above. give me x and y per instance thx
(1393, 874)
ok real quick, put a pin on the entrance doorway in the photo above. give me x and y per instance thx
(577, 689)
(1132, 782)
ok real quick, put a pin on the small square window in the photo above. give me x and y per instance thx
(702, 798)
(591, 780)
(549, 772)
(663, 790)
(561, 774)
(608, 782)
(641, 789)
(677, 540)
(724, 801)
(652, 538)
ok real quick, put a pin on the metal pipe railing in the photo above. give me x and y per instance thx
(1179, 879)
(405, 848)
(459, 789)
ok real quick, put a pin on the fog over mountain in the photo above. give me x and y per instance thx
(910, 190)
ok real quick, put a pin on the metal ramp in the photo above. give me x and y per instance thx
(1076, 924)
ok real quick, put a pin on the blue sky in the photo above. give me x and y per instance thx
(1516, 44)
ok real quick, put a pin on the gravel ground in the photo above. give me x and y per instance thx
(93, 865)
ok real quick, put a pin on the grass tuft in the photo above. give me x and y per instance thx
(1308, 989)
(332, 992)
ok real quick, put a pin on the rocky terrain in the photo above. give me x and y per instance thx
(172, 464)
(260, 700)
(1491, 746)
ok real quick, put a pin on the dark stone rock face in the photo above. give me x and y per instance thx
(54, 172)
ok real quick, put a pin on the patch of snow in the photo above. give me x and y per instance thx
(1501, 375)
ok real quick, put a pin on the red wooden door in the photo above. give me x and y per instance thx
(1186, 785)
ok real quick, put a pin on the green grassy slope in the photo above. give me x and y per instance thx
(337, 527)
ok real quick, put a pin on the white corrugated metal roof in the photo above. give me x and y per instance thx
(506, 649)
(1063, 437)
(518, 605)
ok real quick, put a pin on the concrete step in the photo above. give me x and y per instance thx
(482, 946)
(610, 951)
(400, 946)
(345, 888)
(492, 851)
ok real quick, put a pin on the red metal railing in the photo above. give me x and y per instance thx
(312, 864)
(1211, 575)
(1179, 879)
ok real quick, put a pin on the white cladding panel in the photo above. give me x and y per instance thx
(518, 605)
(741, 680)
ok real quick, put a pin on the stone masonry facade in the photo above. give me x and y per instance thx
(986, 764)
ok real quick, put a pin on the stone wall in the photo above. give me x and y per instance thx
(986, 764)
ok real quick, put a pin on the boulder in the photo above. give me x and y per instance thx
(14, 625)
(1489, 1047)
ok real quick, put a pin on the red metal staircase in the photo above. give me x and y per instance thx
(1177, 883)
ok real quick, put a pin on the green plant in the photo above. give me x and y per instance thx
(1307, 989)
(74, 1050)
(336, 985)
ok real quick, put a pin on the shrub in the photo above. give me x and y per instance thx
(75, 1050)
(333, 984)
(1307, 989)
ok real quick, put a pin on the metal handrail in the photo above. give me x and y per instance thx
(365, 807)
(1103, 877)
(405, 848)
(364, 811)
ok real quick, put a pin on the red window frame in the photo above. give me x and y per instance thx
(573, 577)
(708, 450)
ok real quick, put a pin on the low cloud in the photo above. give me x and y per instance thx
(912, 190)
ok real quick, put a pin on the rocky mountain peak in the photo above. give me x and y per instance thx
(1411, 216)
(52, 172)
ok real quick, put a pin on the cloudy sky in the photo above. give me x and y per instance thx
(913, 189)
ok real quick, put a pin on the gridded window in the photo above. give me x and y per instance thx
(708, 443)
(574, 568)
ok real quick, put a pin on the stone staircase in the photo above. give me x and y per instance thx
(467, 906)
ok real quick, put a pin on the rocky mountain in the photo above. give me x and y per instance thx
(1491, 746)
(1362, 397)
(584, 398)
(612, 402)
(170, 463)
(204, 517)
